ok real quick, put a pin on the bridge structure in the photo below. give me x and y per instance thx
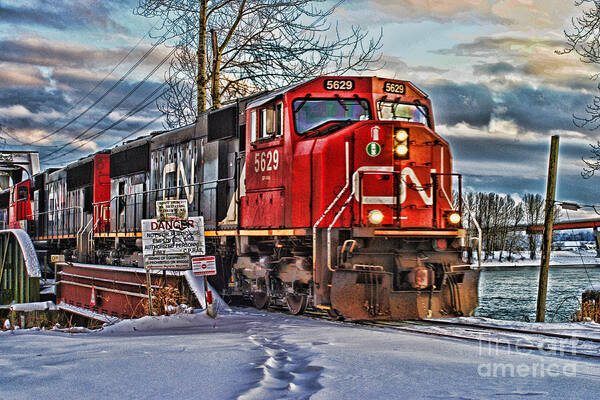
(20, 271)
(13, 163)
(593, 223)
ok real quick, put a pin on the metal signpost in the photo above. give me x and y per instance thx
(205, 266)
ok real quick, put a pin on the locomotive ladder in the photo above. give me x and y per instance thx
(20, 271)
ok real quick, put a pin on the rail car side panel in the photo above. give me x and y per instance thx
(101, 191)
(20, 205)
(329, 178)
(268, 169)
(57, 199)
(301, 188)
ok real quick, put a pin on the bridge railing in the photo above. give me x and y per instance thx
(20, 271)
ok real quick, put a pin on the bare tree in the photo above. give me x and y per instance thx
(507, 214)
(515, 237)
(501, 217)
(534, 213)
(242, 46)
(178, 104)
(584, 40)
(592, 164)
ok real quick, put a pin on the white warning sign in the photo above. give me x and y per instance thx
(171, 262)
(204, 265)
(169, 244)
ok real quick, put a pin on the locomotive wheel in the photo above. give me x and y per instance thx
(335, 315)
(296, 303)
(260, 300)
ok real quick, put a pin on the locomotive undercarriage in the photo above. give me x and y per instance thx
(275, 272)
(371, 277)
(401, 278)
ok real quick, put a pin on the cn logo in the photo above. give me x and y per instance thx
(373, 149)
(407, 175)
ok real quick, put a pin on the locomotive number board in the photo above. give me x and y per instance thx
(338, 84)
(394, 87)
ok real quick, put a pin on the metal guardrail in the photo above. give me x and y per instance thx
(63, 221)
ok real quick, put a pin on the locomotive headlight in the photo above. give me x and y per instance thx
(401, 143)
(401, 135)
(454, 218)
(402, 150)
(375, 217)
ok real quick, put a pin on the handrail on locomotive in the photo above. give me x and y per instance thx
(104, 206)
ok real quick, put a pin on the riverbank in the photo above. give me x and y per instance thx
(562, 258)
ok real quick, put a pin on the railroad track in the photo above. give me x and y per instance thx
(485, 334)
(490, 336)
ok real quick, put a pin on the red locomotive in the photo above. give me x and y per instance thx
(334, 194)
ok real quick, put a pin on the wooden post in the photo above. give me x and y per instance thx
(149, 289)
(540, 314)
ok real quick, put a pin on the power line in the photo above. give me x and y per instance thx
(5, 131)
(118, 103)
(138, 108)
(136, 131)
(579, 251)
(106, 93)
(128, 136)
(99, 82)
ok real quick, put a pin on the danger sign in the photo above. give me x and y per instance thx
(204, 265)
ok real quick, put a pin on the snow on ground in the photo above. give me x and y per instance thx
(557, 257)
(249, 354)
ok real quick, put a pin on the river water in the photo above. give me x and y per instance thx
(510, 293)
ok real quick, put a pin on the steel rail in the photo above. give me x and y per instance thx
(491, 340)
(509, 329)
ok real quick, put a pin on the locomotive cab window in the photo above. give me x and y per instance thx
(266, 123)
(324, 116)
(396, 111)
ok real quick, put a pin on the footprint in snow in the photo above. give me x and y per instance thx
(286, 371)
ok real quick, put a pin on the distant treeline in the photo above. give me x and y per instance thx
(499, 217)
(574, 236)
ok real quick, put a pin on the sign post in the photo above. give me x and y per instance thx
(149, 289)
(205, 266)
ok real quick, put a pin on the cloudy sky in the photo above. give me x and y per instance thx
(498, 87)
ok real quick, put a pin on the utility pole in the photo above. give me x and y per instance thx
(540, 313)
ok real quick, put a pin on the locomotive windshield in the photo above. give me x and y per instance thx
(390, 110)
(313, 114)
